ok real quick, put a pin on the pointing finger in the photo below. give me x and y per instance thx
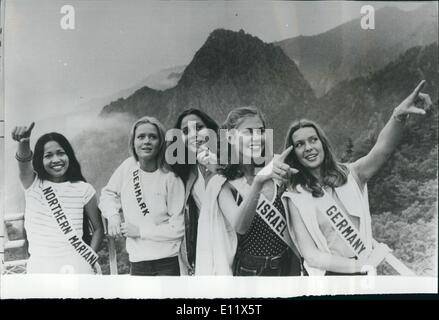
(419, 88)
(285, 154)
(14, 133)
(29, 130)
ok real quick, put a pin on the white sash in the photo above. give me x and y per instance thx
(80, 247)
(273, 218)
(342, 225)
(138, 193)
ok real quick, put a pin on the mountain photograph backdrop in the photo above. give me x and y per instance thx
(347, 79)
(348, 51)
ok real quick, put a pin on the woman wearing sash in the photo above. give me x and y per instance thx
(197, 129)
(327, 200)
(233, 236)
(59, 203)
(151, 199)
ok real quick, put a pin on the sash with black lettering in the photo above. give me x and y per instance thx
(342, 225)
(80, 247)
(138, 193)
(273, 218)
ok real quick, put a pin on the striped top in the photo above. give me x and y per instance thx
(43, 233)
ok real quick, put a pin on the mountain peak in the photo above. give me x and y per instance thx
(234, 53)
(223, 40)
(231, 69)
(228, 34)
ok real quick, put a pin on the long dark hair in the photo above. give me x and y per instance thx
(233, 120)
(334, 173)
(182, 170)
(73, 173)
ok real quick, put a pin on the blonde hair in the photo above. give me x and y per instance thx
(235, 117)
(161, 163)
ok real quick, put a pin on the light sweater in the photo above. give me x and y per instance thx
(162, 228)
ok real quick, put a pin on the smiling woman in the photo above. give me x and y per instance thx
(241, 222)
(151, 199)
(55, 161)
(328, 202)
(57, 198)
(197, 131)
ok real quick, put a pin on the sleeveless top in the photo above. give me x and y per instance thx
(336, 244)
(350, 197)
(260, 239)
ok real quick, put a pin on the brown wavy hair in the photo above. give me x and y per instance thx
(334, 173)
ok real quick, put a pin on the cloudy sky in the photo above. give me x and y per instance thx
(117, 44)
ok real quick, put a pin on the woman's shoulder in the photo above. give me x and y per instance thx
(127, 165)
(238, 182)
(352, 175)
(169, 176)
(35, 183)
(81, 184)
(78, 185)
(128, 162)
(236, 186)
(297, 193)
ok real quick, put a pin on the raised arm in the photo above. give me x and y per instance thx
(24, 154)
(241, 217)
(415, 103)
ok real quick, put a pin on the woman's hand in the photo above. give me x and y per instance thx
(130, 230)
(22, 133)
(278, 169)
(388, 139)
(416, 103)
(207, 158)
(379, 252)
(24, 154)
(114, 223)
